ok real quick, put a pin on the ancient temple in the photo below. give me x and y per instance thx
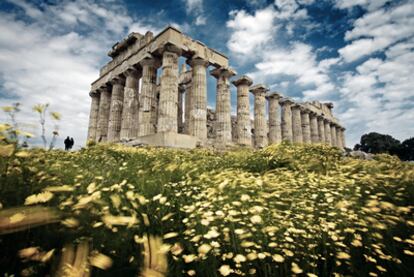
(133, 104)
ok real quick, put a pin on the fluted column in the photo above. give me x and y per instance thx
(187, 100)
(130, 120)
(260, 123)
(167, 107)
(321, 129)
(223, 105)
(198, 111)
(243, 127)
(306, 130)
(338, 137)
(342, 136)
(147, 97)
(103, 116)
(286, 119)
(93, 115)
(275, 131)
(296, 124)
(327, 132)
(180, 122)
(314, 128)
(333, 135)
(115, 113)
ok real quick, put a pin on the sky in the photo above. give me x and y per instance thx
(357, 54)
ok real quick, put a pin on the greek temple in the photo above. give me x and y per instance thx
(142, 98)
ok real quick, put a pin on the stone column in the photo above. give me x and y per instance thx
(260, 123)
(167, 107)
(130, 123)
(286, 119)
(327, 132)
(333, 135)
(342, 136)
(296, 124)
(243, 127)
(198, 112)
(147, 97)
(93, 115)
(115, 113)
(103, 116)
(223, 105)
(321, 129)
(275, 131)
(187, 108)
(180, 122)
(306, 130)
(314, 128)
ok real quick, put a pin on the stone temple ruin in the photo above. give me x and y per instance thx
(133, 105)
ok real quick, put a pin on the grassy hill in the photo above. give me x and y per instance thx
(280, 211)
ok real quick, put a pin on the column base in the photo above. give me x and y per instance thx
(166, 139)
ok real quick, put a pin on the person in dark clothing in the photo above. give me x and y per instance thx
(67, 143)
(72, 142)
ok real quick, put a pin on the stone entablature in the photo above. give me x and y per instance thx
(131, 103)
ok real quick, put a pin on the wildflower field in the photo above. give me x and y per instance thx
(110, 210)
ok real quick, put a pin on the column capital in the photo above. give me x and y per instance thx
(169, 47)
(274, 95)
(223, 71)
(304, 110)
(118, 80)
(132, 71)
(258, 89)
(150, 60)
(320, 116)
(106, 87)
(242, 80)
(94, 93)
(327, 120)
(286, 101)
(197, 60)
(297, 106)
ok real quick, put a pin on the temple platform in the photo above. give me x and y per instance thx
(166, 139)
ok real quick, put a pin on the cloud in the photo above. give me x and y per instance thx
(194, 6)
(366, 4)
(377, 30)
(381, 93)
(200, 20)
(54, 57)
(250, 31)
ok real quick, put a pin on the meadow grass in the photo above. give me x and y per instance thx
(280, 211)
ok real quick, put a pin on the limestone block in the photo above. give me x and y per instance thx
(243, 124)
(93, 115)
(287, 129)
(130, 114)
(115, 113)
(147, 97)
(275, 127)
(314, 127)
(168, 102)
(103, 117)
(223, 105)
(260, 122)
(296, 124)
(198, 111)
(306, 129)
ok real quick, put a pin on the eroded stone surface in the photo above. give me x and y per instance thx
(135, 100)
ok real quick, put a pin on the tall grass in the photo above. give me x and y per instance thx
(284, 210)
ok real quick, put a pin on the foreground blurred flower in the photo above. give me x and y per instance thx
(17, 219)
(38, 198)
(225, 270)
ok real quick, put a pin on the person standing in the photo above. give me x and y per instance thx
(67, 143)
(72, 142)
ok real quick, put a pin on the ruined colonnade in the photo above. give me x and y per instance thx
(130, 102)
